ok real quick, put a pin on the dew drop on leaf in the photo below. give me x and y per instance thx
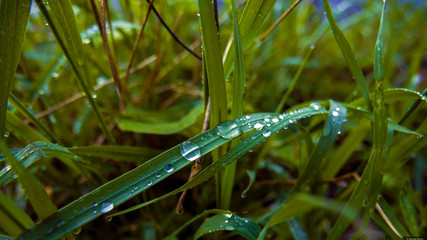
(228, 130)
(168, 168)
(106, 207)
(266, 133)
(190, 150)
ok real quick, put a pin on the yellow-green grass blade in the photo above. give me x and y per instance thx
(14, 101)
(33, 189)
(379, 123)
(119, 153)
(348, 54)
(13, 23)
(21, 129)
(254, 14)
(61, 19)
(168, 121)
(13, 221)
(245, 227)
(239, 82)
(302, 203)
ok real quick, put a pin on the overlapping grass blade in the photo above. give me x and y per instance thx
(239, 83)
(348, 54)
(13, 221)
(168, 121)
(380, 121)
(409, 213)
(20, 107)
(12, 32)
(254, 14)
(21, 129)
(297, 229)
(391, 217)
(245, 227)
(33, 153)
(60, 17)
(34, 191)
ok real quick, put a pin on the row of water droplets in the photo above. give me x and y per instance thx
(234, 128)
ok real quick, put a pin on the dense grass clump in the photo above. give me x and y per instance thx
(256, 119)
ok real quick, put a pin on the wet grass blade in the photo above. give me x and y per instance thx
(21, 129)
(245, 227)
(379, 123)
(34, 191)
(13, 220)
(13, 25)
(254, 14)
(348, 54)
(34, 152)
(60, 17)
(239, 82)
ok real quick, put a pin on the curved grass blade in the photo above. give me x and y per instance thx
(172, 236)
(105, 198)
(245, 227)
(33, 153)
(13, 23)
(348, 54)
(391, 217)
(13, 221)
(239, 83)
(392, 95)
(159, 122)
(258, 122)
(254, 14)
(120, 153)
(34, 191)
(61, 19)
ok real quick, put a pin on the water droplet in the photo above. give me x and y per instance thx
(46, 23)
(291, 121)
(41, 92)
(203, 138)
(86, 40)
(149, 183)
(275, 119)
(267, 119)
(315, 106)
(339, 132)
(198, 14)
(106, 207)
(253, 136)
(312, 46)
(258, 125)
(190, 151)
(266, 133)
(251, 150)
(335, 113)
(228, 215)
(95, 204)
(55, 74)
(168, 168)
(226, 221)
(281, 116)
(94, 212)
(158, 175)
(94, 96)
(228, 130)
(7, 167)
(248, 117)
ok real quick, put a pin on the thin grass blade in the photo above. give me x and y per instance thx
(119, 153)
(13, 23)
(61, 19)
(391, 217)
(348, 54)
(409, 213)
(21, 129)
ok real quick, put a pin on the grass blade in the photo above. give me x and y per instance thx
(409, 213)
(16, 220)
(254, 14)
(13, 25)
(391, 217)
(348, 54)
(35, 192)
(239, 83)
(119, 153)
(21, 129)
(61, 19)
(245, 227)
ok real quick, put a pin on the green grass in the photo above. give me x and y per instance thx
(306, 118)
